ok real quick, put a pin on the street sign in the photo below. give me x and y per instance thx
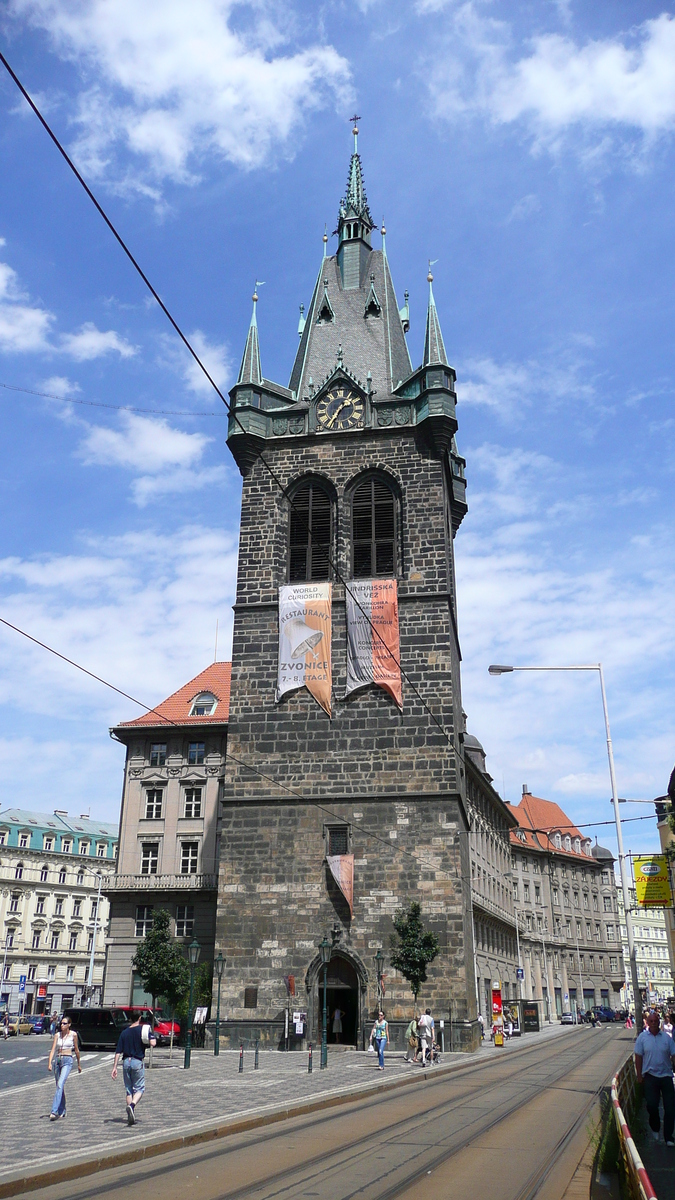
(22, 985)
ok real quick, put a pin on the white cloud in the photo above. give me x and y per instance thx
(140, 611)
(89, 343)
(215, 356)
(624, 83)
(165, 459)
(176, 82)
(60, 386)
(524, 207)
(23, 328)
(509, 387)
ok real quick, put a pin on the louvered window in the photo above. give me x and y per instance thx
(310, 534)
(373, 530)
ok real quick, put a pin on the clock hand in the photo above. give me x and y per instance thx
(336, 414)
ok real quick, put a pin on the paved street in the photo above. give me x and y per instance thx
(519, 1116)
(212, 1091)
(24, 1059)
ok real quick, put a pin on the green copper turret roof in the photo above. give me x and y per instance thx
(434, 346)
(250, 371)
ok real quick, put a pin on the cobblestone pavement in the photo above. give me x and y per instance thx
(179, 1102)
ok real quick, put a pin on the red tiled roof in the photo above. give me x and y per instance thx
(540, 820)
(176, 708)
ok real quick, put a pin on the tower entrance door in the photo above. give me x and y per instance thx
(342, 1002)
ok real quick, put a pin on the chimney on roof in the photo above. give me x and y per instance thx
(526, 790)
(60, 812)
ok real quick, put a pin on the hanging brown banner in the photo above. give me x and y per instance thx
(342, 869)
(305, 641)
(373, 650)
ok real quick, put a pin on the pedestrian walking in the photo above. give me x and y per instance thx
(131, 1049)
(380, 1032)
(411, 1037)
(5, 1025)
(64, 1047)
(481, 1022)
(337, 1024)
(654, 1062)
(426, 1029)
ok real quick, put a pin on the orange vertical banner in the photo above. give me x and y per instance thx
(373, 647)
(305, 641)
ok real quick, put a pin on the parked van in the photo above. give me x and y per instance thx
(97, 1027)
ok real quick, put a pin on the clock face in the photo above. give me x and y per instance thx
(340, 408)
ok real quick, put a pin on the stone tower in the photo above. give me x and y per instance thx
(349, 472)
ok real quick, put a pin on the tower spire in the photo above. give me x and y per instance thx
(434, 346)
(354, 222)
(250, 371)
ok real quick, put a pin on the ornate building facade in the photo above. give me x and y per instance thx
(349, 473)
(51, 917)
(169, 828)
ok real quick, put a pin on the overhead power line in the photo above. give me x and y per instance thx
(163, 412)
(232, 412)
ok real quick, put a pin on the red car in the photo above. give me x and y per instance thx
(161, 1024)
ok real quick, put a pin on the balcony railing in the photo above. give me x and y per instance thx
(160, 883)
(489, 906)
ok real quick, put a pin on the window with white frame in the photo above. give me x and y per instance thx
(66, 845)
(204, 705)
(35, 944)
(153, 804)
(48, 843)
(80, 878)
(62, 875)
(101, 849)
(40, 905)
(58, 907)
(84, 847)
(14, 902)
(607, 903)
(185, 920)
(195, 754)
(77, 906)
(149, 858)
(8, 969)
(143, 919)
(44, 874)
(94, 910)
(90, 942)
(72, 945)
(3, 837)
(189, 854)
(18, 871)
(193, 802)
(70, 974)
(51, 972)
(32, 971)
(24, 841)
(54, 944)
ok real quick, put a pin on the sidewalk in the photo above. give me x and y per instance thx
(659, 1159)
(179, 1105)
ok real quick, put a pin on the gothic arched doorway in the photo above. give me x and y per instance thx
(342, 995)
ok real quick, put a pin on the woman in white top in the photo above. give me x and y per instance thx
(64, 1046)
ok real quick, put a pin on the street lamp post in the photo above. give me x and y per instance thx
(501, 670)
(218, 964)
(325, 949)
(379, 962)
(194, 950)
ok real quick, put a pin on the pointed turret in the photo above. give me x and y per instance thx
(249, 371)
(434, 347)
(354, 222)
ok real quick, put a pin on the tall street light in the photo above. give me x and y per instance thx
(194, 950)
(625, 887)
(325, 949)
(218, 964)
(90, 975)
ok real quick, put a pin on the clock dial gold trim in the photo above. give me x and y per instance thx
(341, 408)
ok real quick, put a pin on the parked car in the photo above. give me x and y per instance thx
(97, 1027)
(39, 1022)
(160, 1023)
(569, 1018)
(19, 1026)
(602, 1013)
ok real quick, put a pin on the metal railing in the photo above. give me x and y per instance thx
(160, 883)
(624, 1095)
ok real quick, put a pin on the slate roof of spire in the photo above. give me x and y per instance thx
(250, 371)
(369, 343)
(434, 346)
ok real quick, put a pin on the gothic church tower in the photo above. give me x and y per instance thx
(350, 472)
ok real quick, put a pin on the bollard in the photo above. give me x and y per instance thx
(309, 1061)
(255, 1063)
(241, 1059)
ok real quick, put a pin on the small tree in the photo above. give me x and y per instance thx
(413, 947)
(161, 964)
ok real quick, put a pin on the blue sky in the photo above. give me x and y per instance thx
(526, 147)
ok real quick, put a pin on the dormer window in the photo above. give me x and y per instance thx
(577, 845)
(557, 841)
(568, 842)
(204, 705)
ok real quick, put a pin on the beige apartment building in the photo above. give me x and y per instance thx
(169, 825)
(567, 905)
(52, 924)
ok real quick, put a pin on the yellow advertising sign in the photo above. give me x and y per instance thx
(652, 885)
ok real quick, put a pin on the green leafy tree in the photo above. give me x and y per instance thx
(161, 964)
(413, 947)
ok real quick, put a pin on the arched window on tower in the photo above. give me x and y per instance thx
(373, 530)
(310, 536)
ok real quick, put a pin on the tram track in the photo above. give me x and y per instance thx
(344, 1170)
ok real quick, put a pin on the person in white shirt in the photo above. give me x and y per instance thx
(425, 1027)
(654, 1061)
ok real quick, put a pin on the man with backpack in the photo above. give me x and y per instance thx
(411, 1037)
(131, 1049)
